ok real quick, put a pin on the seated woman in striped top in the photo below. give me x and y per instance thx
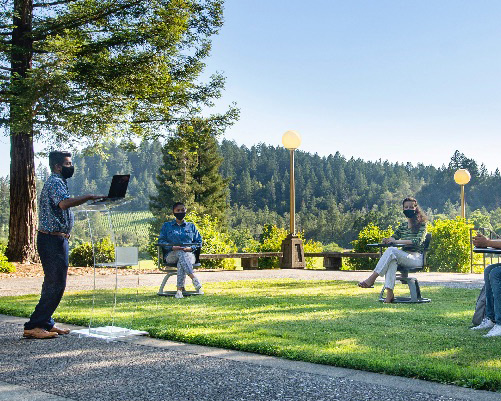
(410, 233)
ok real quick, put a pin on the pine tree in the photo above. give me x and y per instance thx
(190, 172)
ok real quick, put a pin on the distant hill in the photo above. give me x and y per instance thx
(335, 196)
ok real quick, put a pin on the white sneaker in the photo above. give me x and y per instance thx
(179, 294)
(495, 331)
(197, 284)
(486, 324)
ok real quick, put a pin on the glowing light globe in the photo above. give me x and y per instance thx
(462, 176)
(291, 140)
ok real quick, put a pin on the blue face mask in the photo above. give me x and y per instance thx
(410, 213)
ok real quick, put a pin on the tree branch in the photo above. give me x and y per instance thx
(59, 27)
(55, 3)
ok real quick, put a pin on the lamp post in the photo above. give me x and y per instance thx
(292, 246)
(462, 177)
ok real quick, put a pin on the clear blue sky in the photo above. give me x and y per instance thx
(393, 80)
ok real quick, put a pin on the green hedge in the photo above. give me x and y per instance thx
(450, 246)
(271, 241)
(5, 265)
(82, 254)
(371, 233)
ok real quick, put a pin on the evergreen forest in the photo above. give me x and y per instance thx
(336, 196)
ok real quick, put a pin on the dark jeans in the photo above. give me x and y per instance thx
(53, 251)
(492, 278)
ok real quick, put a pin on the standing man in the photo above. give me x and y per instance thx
(55, 221)
(180, 232)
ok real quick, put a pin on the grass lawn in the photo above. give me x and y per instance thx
(328, 322)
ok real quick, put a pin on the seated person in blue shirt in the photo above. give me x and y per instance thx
(492, 278)
(179, 231)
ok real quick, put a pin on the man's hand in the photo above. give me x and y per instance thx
(480, 241)
(78, 200)
(96, 197)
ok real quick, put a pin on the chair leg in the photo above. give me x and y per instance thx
(414, 289)
(381, 294)
(161, 289)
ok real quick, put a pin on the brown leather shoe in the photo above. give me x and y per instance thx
(37, 332)
(59, 331)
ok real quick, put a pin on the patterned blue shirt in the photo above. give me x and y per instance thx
(173, 233)
(51, 217)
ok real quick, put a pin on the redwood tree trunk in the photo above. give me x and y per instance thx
(22, 222)
(23, 219)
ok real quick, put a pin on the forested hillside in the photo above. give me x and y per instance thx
(335, 196)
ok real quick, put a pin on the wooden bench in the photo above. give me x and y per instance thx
(334, 260)
(248, 260)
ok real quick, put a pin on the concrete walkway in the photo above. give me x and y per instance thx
(73, 368)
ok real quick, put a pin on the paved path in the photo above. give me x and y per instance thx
(32, 285)
(87, 369)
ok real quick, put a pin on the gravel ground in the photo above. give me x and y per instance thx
(95, 370)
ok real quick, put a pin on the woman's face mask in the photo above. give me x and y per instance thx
(410, 213)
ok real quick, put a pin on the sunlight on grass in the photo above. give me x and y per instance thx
(493, 363)
(329, 322)
(449, 353)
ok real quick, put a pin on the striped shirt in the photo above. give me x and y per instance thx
(404, 232)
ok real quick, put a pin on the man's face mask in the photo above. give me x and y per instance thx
(410, 213)
(180, 216)
(67, 172)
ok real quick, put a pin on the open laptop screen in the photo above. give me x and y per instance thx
(118, 186)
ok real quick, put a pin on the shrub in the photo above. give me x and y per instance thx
(243, 239)
(271, 241)
(5, 265)
(82, 255)
(215, 240)
(450, 246)
(369, 234)
(311, 246)
(332, 247)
